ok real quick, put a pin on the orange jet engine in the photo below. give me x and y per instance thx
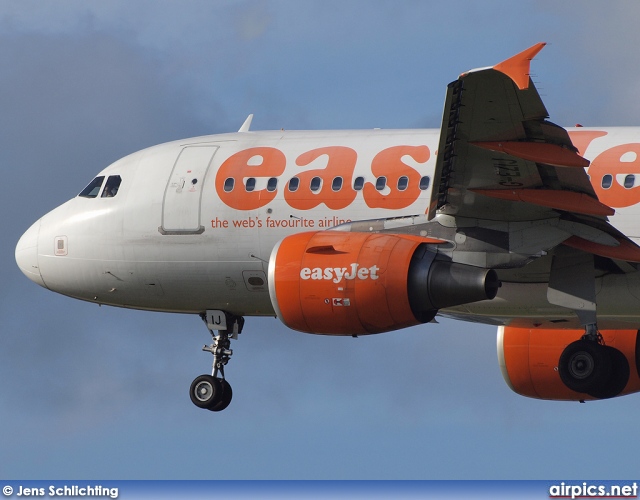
(529, 359)
(350, 283)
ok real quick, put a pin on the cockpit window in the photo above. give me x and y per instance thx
(112, 186)
(92, 190)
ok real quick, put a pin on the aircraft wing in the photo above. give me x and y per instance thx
(499, 158)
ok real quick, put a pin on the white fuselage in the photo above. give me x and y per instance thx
(180, 236)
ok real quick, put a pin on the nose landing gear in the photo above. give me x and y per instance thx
(213, 392)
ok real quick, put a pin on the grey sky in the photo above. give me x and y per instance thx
(89, 392)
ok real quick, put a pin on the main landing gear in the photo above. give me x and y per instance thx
(589, 366)
(213, 392)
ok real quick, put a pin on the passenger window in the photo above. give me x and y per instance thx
(358, 184)
(316, 182)
(294, 182)
(251, 184)
(92, 190)
(228, 184)
(424, 182)
(336, 185)
(606, 181)
(112, 186)
(381, 183)
(403, 182)
(629, 181)
(272, 184)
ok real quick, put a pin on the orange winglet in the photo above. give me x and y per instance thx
(627, 250)
(517, 67)
(540, 152)
(579, 203)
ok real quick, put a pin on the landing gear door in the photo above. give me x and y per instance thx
(183, 194)
(216, 320)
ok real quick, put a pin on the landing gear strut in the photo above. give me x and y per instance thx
(213, 392)
(589, 366)
(586, 365)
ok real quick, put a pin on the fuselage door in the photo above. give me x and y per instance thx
(183, 195)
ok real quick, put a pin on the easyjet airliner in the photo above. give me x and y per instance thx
(500, 217)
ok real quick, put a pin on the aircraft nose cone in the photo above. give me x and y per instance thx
(27, 254)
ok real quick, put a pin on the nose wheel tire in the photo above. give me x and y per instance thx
(210, 393)
(225, 397)
(206, 391)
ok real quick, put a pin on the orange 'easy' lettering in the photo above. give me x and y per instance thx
(256, 162)
(582, 138)
(341, 162)
(388, 163)
(619, 160)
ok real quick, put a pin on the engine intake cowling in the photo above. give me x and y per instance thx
(529, 358)
(349, 283)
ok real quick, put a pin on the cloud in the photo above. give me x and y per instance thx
(253, 19)
(86, 100)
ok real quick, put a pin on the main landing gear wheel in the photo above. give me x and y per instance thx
(213, 392)
(590, 367)
(584, 366)
(618, 378)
